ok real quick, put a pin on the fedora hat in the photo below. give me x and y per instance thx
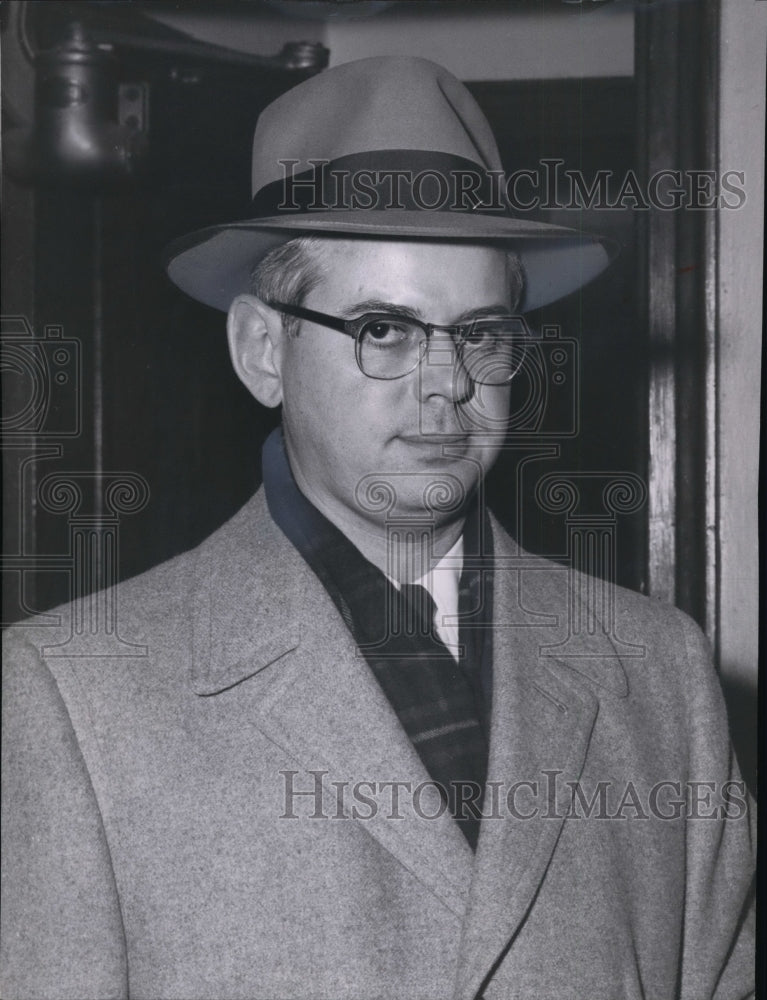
(386, 147)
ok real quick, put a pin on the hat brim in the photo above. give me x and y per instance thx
(214, 265)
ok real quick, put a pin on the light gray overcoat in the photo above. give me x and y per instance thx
(150, 853)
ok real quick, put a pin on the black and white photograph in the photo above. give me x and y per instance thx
(381, 440)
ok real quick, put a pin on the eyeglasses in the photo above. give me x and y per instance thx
(390, 346)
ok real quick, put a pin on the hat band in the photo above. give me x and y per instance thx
(414, 180)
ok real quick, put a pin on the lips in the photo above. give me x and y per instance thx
(438, 438)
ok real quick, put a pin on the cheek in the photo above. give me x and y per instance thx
(324, 404)
(308, 382)
(486, 414)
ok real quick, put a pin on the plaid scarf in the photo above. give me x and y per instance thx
(443, 706)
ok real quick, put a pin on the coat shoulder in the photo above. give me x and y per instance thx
(607, 631)
(153, 608)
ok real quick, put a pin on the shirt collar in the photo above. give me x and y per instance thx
(442, 582)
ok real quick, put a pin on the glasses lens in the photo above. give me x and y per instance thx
(494, 350)
(390, 346)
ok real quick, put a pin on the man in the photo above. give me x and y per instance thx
(359, 758)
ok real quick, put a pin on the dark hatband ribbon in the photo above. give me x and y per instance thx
(412, 180)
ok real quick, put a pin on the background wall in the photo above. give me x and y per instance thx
(477, 41)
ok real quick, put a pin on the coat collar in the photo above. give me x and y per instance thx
(249, 587)
(246, 593)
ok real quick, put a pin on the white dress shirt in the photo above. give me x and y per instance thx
(442, 583)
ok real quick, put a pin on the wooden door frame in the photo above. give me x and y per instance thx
(701, 89)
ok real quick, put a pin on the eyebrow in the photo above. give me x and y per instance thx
(380, 305)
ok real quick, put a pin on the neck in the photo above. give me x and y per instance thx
(403, 555)
(404, 551)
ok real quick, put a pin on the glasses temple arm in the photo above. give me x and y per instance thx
(322, 319)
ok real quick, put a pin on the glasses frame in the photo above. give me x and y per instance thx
(354, 327)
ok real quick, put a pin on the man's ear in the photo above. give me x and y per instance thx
(255, 345)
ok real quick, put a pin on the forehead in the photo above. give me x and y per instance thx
(417, 274)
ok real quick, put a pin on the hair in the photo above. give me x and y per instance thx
(290, 272)
(287, 274)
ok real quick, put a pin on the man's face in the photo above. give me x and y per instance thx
(346, 432)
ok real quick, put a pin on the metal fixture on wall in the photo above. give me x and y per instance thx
(87, 129)
(90, 124)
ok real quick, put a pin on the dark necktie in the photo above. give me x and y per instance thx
(418, 610)
(434, 700)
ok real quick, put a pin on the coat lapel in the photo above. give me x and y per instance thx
(329, 713)
(543, 715)
(261, 611)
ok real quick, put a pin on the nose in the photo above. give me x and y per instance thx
(442, 372)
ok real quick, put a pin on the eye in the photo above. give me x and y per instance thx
(390, 331)
(483, 331)
(491, 333)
